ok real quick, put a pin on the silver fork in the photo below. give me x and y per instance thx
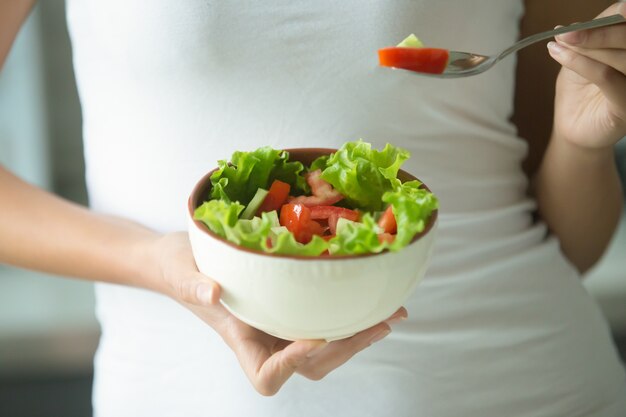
(465, 64)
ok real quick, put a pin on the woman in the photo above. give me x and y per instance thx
(501, 325)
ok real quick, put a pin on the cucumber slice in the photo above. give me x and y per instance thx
(254, 204)
(277, 231)
(411, 41)
(341, 224)
(272, 216)
(249, 225)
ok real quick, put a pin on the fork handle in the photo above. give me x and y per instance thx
(605, 21)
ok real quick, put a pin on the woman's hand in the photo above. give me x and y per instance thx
(267, 361)
(577, 188)
(590, 106)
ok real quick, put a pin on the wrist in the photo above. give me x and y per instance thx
(566, 161)
(149, 255)
(568, 150)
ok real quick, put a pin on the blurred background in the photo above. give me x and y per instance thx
(48, 332)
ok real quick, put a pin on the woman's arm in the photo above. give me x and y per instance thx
(44, 232)
(12, 15)
(576, 183)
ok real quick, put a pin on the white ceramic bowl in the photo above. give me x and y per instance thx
(304, 297)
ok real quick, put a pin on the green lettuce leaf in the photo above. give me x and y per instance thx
(289, 172)
(221, 217)
(412, 206)
(319, 163)
(363, 174)
(354, 238)
(285, 243)
(240, 179)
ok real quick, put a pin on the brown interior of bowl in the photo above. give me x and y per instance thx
(200, 194)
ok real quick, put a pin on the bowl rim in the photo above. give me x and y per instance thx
(203, 185)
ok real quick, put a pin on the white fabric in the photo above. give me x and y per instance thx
(501, 325)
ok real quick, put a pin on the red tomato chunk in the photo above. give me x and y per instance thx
(428, 60)
(276, 197)
(386, 237)
(387, 222)
(323, 193)
(332, 214)
(297, 219)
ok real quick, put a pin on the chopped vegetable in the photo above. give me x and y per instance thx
(222, 218)
(356, 237)
(332, 214)
(254, 204)
(286, 244)
(249, 171)
(411, 41)
(386, 238)
(427, 60)
(387, 221)
(297, 219)
(410, 54)
(412, 206)
(323, 192)
(363, 174)
(276, 197)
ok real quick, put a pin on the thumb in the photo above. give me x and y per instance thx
(197, 289)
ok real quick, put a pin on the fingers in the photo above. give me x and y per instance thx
(614, 58)
(197, 289)
(615, 8)
(609, 80)
(276, 369)
(269, 362)
(179, 273)
(400, 315)
(605, 37)
(339, 352)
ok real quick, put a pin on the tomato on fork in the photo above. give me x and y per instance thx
(427, 60)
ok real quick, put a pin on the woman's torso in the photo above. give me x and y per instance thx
(501, 324)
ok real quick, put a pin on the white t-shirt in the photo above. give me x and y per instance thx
(500, 326)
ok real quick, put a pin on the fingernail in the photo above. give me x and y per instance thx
(204, 292)
(379, 336)
(317, 349)
(555, 48)
(395, 320)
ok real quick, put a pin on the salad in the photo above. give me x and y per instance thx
(347, 203)
(410, 54)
